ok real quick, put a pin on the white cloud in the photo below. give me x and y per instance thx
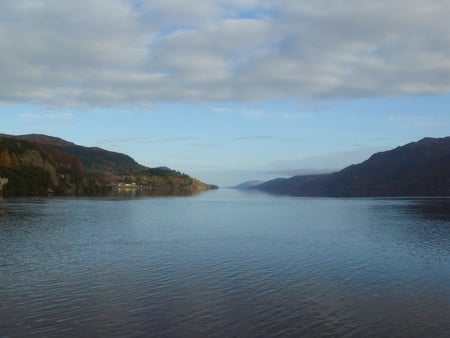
(101, 53)
(35, 116)
(324, 163)
(254, 138)
(30, 116)
(52, 127)
(420, 120)
(65, 116)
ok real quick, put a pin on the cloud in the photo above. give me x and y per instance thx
(419, 119)
(30, 117)
(206, 145)
(103, 53)
(254, 138)
(300, 172)
(323, 163)
(52, 127)
(47, 122)
(181, 139)
(34, 116)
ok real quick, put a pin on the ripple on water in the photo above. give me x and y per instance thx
(266, 266)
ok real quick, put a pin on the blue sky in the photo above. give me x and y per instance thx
(251, 90)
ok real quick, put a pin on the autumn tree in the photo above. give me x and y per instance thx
(5, 159)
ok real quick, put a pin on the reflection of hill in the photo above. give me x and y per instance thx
(417, 169)
(434, 209)
(422, 224)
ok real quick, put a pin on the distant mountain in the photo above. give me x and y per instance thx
(37, 164)
(247, 185)
(417, 169)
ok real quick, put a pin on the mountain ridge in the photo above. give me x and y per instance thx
(420, 168)
(247, 184)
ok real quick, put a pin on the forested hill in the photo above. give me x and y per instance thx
(39, 164)
(417, 169)
(93, 159)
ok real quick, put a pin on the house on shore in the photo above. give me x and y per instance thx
(128, 186)
(3, 182)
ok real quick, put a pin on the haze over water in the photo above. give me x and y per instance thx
(224, 263)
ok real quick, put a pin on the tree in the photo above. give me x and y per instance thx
(5, 159)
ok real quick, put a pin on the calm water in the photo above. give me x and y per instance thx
(225, 263)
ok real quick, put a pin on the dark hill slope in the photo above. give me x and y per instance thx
(30, 169)
(417, 169)
(93, 159)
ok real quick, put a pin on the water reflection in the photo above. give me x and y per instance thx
(223, 264)
(138, 193)
(434, 209)
(423, 223)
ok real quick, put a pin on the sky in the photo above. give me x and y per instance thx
(228, 91)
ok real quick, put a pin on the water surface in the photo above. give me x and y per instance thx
(224, 263)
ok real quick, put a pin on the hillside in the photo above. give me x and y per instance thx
(247, 185)
(417, 169)
(93, 159)
(39, 164)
